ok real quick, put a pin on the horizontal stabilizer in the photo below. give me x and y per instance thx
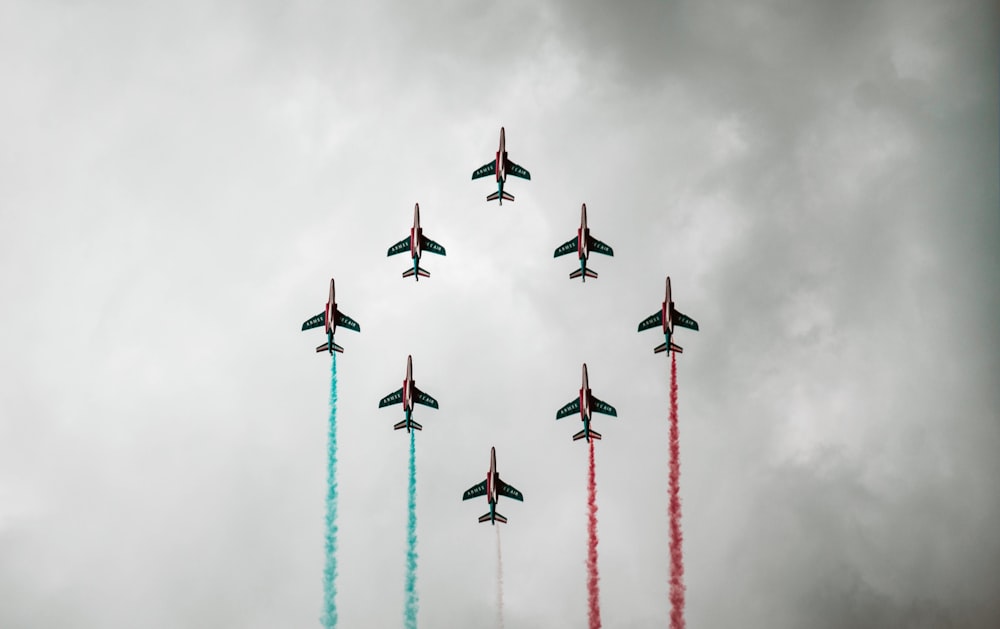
(419, 272)
(411, 424)
(486, 518)
(325, 347)
(583, 433)
(662, 347)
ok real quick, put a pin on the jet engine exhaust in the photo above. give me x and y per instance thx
(329, 618)
(412, 602)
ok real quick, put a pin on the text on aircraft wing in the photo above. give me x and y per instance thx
(652, 321)
(684, 321)
(600, 247)
(315, 322)
(475, 491)
(517, 171)
(600, 406)
(423, 398)
(567, 247)
(485, 170)
(393, 398)
(569, 409)
(346, 322)
(509, 491)
(431, 246)
(399, 247)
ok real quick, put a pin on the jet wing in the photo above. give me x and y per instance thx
(485, 170)
(509, 491)
(346, 322)
(399, 247)
(475, 491)
(600, 406)
(430, 245)
(567, 247)
(569, 409)
(423, 398)
(517, 171)
(315, 322)
(652, 321)
(393, 398)
(599, 246)
(684, 321)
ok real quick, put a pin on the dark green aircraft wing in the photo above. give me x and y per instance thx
(652, 321)
(517, 171)
(684, 321)
(423, 398)
(399, 247)
(567, 247)
(395, 397)
(509, 491)
(346, 322)
(431, 246)
(600, 406)
(600, 247)
(569, 409)
(485, 170)
(475, 491)
(315, 322)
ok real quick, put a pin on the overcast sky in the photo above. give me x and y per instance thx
(179, 181)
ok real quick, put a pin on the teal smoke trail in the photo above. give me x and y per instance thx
(329, 618)
(410, 611)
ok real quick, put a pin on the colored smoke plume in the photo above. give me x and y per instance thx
(676, 537)
(499, 581)
(410, 609)
(329, 618)
(593, 587)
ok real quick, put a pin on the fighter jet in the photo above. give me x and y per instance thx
(492, 488)
(668, 317)
(408, 395)
(415, 243)
(585, 404)
(501, 167)
(331, 318)
(582, 244)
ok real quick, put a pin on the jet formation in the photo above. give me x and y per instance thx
(585, 403)
(492, 488)
(415, 243)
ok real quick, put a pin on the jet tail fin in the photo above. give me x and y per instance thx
(325, 347)
(662, 347)
(583, 433)
(405, 424)
(486, 517)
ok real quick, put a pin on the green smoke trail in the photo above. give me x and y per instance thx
(410, 610)
(329, 618)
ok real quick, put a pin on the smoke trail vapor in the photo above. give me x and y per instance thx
(499, 581)
(329, 618)
(410, 610)
(593, 588)
(676, 538)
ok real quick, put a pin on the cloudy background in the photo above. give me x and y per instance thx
(179, 181)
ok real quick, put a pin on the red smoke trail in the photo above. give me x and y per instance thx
(593, 589)
(676, 553)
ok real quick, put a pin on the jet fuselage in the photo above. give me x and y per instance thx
(415, 238)
(583, 236)
(408, 386)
